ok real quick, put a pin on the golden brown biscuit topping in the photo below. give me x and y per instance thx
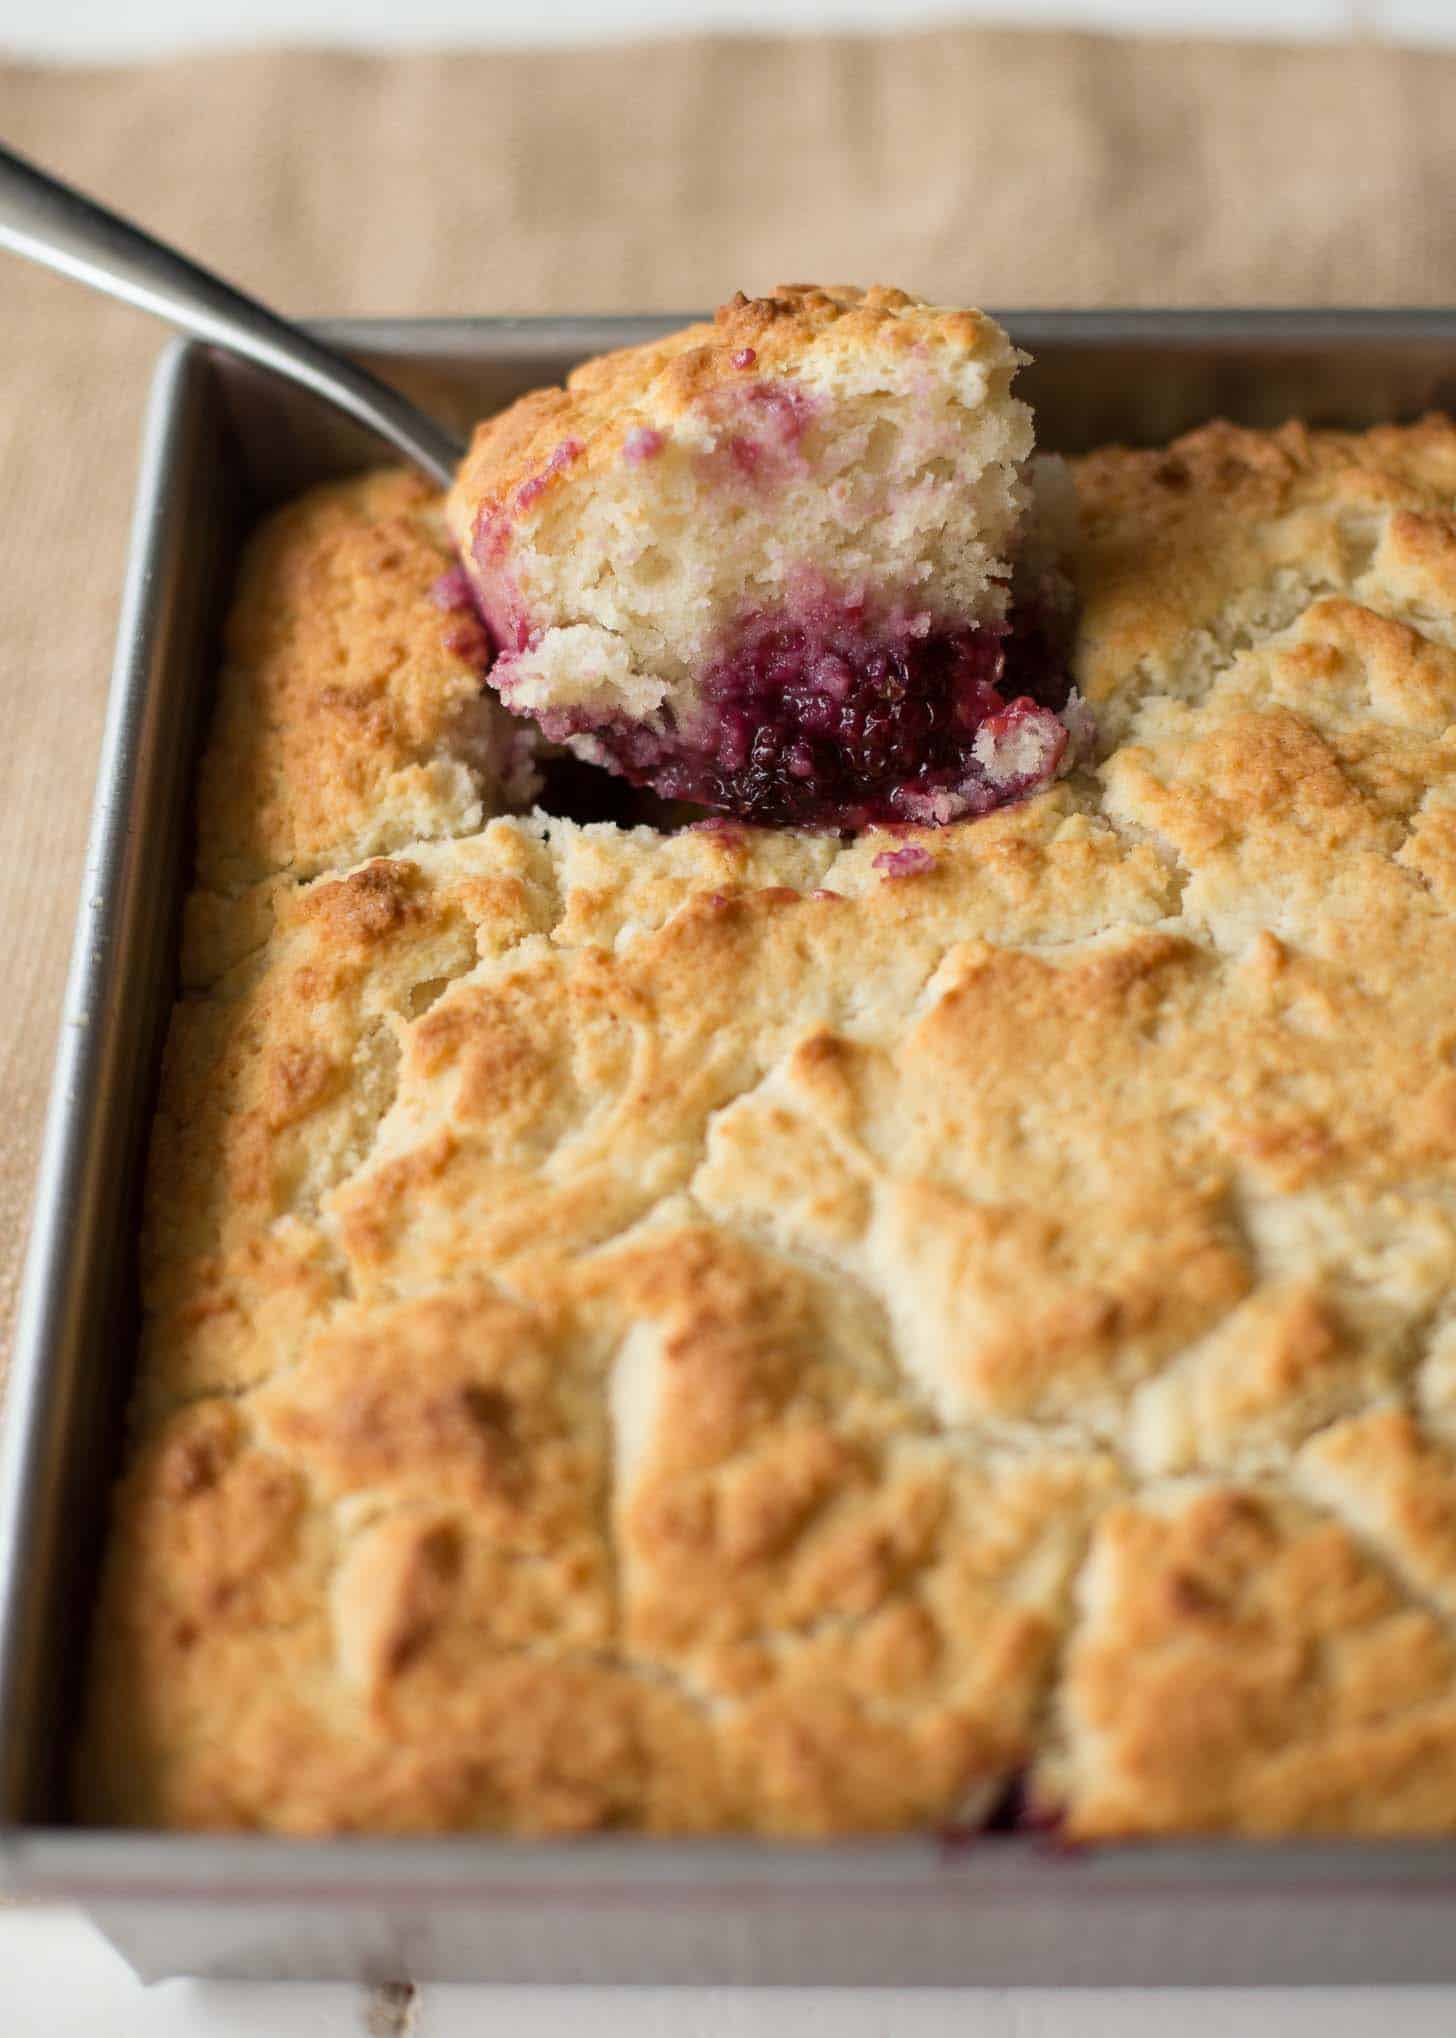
(736, 1330)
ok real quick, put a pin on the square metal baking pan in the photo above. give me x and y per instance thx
(223, 444)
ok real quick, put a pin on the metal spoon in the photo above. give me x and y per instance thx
(53, 224)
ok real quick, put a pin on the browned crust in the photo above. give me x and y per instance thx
(343, 684)
(662, 380)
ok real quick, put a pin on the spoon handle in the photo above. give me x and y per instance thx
(53, 224)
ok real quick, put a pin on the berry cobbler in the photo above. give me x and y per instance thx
(937, 1315)
(767, 565)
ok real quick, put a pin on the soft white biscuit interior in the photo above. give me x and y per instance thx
(887, 475)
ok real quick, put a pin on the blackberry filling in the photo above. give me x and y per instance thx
(830, 721)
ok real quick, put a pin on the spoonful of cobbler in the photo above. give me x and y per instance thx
(774, 565)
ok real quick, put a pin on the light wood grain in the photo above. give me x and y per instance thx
(976, 166)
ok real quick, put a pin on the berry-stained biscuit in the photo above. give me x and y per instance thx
(766, 564)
